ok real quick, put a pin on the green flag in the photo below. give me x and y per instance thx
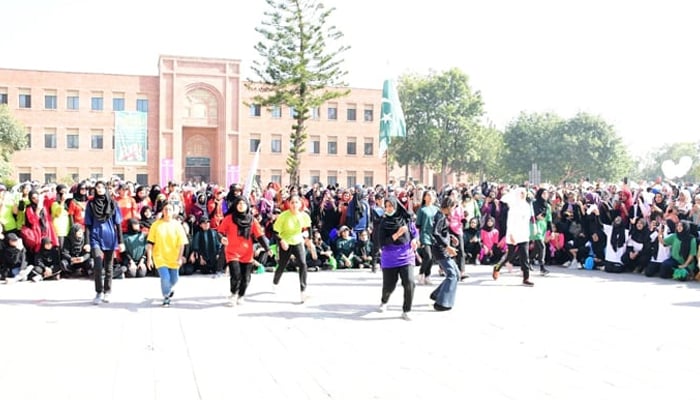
(392, 123)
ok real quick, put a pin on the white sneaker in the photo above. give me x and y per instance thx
(420, 279)
(304, 297)
(231, 300)
(427, 281)
(105, 298)
(382, 308)
(274, 288)
(98, 299)
(405, 316)
(240, 300)
(574, 264)
(24, 273)
(566, 264)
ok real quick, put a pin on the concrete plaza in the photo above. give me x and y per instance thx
(575, 335)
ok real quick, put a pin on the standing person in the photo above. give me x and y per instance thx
(291, 229)
(238, 230)
(397, 235)
(517, 234)
(424, 223)
(443, 250)
(543, 220)
(103, 227)
(165, 249)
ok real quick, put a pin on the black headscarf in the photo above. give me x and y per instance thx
(617, 237)
(391, 223)
(102, 206)
(242, 220)
(74, 244)
(539, 206)
(146, 221)
(685, 237)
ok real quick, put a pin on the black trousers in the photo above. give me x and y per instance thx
(299, 252)
(240, 276)
(389, 278)
(426, 260)
(519, 251)
(104, 268)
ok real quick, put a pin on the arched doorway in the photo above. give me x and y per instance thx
(197, 153)
(200, 126)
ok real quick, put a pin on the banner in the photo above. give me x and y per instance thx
(392, 122)
(130, 138)
(251, 174)
(167, 171)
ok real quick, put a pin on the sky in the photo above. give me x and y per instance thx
(635, 64)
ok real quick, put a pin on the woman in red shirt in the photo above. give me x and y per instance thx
(239, 229)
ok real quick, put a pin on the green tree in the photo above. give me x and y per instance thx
(298, 66)
(583, 146)
(13, 137)
(442, 121)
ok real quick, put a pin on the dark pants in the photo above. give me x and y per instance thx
(471, 251)
(299, 252)
(519, 251)
(240, 276)
(104, 268)
(540, 251)
(631, 264)
(459, 259)
(426, 265)
(389, 278)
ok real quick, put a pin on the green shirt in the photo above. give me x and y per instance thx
(7, 217)
(675, 243)
(424, 222)
(289, 226)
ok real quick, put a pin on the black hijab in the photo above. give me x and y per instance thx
(685, 237)
(102, 206)
(391, 223)
(617, 237)
(73, 243)
(242, 220)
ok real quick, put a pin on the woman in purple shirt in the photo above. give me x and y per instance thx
(398, 237)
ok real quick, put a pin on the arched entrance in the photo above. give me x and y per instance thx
(200, 126)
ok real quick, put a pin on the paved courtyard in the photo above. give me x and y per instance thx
(575, 335)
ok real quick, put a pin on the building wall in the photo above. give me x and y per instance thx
(198, 108)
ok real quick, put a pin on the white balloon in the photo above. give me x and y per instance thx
(684, 165)
(668, 167)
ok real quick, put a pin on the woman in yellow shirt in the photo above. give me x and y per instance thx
(291, 230)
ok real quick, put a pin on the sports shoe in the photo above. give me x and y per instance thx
(528, 283)
(405, 316)
(382, 308)
(24, 273)
(544, 271)
(496, 272)
(98, 299)
(420, 279)
(231, 300)
(166, 302)
(303, 297)
(171, 294)
(574, 265)
(105, 298)
(566, 264)
(427, 281)
(240, 300)
(37, 278)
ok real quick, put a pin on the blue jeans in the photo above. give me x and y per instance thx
(444, 294)
(168, 279)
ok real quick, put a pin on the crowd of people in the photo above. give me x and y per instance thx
(111, 229)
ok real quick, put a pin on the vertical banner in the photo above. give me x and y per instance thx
(251, 174)
(392, 122)
(130, 138)
(167, 171)
(233, 174)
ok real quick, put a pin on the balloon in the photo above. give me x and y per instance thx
(684, 165)
(668, 167)
(672, 170)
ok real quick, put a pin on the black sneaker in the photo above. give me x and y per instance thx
(439, 307)
(544, 271)
(166, 302)
(528, 283)
(171, 294)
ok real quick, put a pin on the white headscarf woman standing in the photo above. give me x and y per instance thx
(517, 233)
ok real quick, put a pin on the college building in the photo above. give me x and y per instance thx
(194, 121)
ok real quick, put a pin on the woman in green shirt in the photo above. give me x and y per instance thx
(292, 231)
(684, 248)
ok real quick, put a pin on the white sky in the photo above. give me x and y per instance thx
(636, 64)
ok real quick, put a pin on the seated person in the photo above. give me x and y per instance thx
(492, 248)
(322, 256)
(472, 241)
(659, 251)
(75, 259)
(638, 252)
(555, 248)
(616, 245)
(206, 247)
(134, 255)
(596, 249)
(13, 260)
(47, 262)
(681, 264)
(364, 251)
(345, 248)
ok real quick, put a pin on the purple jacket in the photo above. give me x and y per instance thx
(399, 255)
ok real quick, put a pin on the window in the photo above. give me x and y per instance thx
(369, 179)
(25, 98)
(142, 179)
(142, 105)
(369, 146)
(352, 112)
(72, 139)
(276, 112)
(118, 104)
(74, 175)
(255, 110)
(316, 113)
(332, 112)
(96, 139)
(50, 100)
(25, 176)
(97, 102)
(369, 113)
(50, 177)
(96, 173)
(119, 175)
(276, 144)
(315, 176)
(333, 178)
(351, 179)
(50, 138)
(315, 145)
(276, 176)
(254, 144)
(332, 145)
(292, 112)
(352, 146)
(29, 138)
(3, 95)
(73, 100)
